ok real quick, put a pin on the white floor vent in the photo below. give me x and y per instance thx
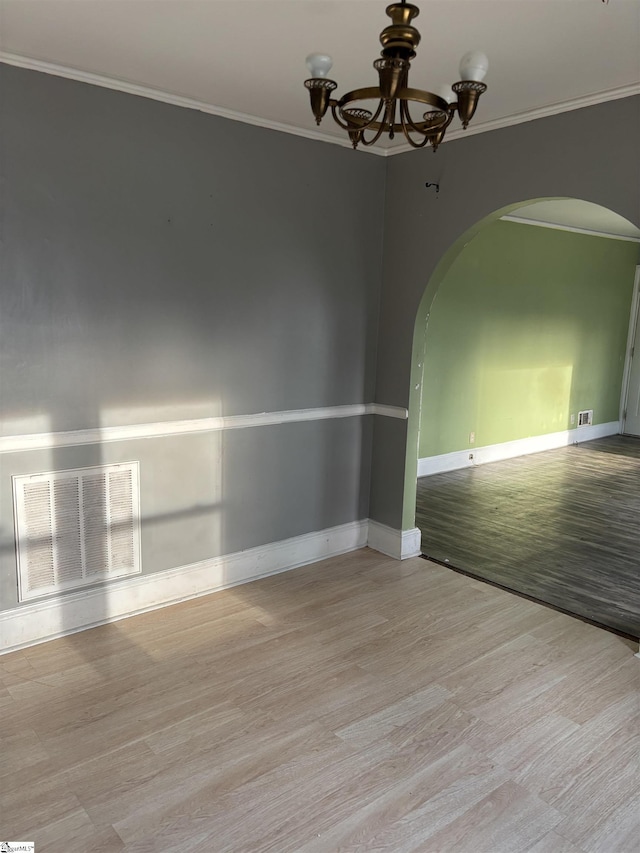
(77, 527)
(585, 418)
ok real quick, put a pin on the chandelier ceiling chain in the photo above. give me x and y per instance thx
(394, 95)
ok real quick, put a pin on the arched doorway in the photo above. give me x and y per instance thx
(523, 325)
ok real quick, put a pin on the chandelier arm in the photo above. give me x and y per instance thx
(423, 97)
(423, 128)
(408, 123)
(377, 135)
(413, 144)
(389, 119)
(405, 118)
(370, 93)
(374, 117)
(367, 93)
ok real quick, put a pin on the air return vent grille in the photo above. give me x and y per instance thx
(77, 527)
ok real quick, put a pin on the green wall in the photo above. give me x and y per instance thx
(528, 327)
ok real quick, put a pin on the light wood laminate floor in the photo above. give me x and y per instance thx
(562, 526)
(358, 704)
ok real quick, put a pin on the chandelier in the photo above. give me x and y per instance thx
(393, 94)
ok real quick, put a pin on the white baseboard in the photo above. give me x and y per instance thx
(62, 615)
(510, 449)
(66, 614)
(399, 544)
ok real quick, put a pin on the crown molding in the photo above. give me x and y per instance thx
(170, 98)
(590, 232)
(532, 115)
(189, 103)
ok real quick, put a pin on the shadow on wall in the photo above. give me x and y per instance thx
(81, 529)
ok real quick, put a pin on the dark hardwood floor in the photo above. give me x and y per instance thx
(562, 527)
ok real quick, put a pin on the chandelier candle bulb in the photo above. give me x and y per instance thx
(421, 116)
(319, 64)
(447, 94)
(474, 66)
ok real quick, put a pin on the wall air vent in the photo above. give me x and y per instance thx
(76, 527)
(585, 418)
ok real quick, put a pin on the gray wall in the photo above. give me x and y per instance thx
(163, 264)
(590, 154)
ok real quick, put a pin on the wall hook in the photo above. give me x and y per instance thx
(433, 184)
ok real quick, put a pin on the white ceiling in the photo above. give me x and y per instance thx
(576, 215)
(246, 57)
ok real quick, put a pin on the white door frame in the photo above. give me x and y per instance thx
(633, 322)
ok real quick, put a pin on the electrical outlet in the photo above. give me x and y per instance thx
(472, 438)
(573, 419)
